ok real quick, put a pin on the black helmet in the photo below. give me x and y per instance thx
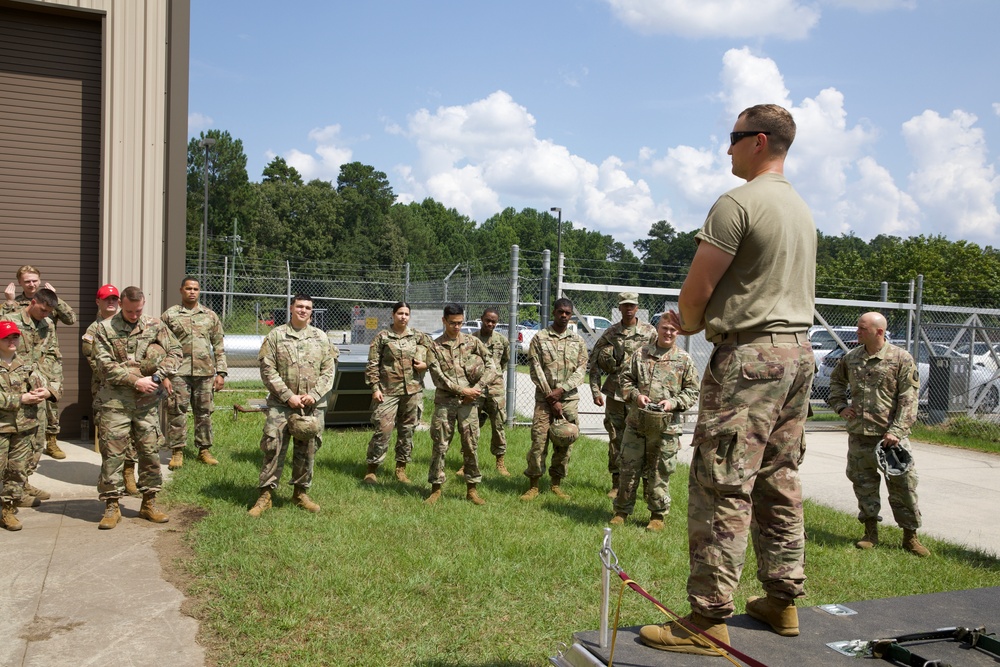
(893, 460)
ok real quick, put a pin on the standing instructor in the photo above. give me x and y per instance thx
(751, 287)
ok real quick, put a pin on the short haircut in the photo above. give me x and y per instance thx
(493, 310)
(46, 297)
(133, 294)
(453, 309)
(562, 303)
(190, 279)
(774, 120)
(301, 297)
(400, 304)
(27, 268)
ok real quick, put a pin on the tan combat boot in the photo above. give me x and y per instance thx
(28, 500)
(435, 494)
(263, 503)
(370, 477)
(502, 467)
(112, 515)
(870, 539)
(149, 511)
(532, 491)
(206, 457)
(557, 489)
(618, 519)
(176, 459)
(913, 545)
(401, 473)
(472, 496)
(675, 637)
(8, 520)
(613, 493)
(36, 492)
(300, 498)
(655, 524)
(780, 614)
(129, 473)
(52, 447)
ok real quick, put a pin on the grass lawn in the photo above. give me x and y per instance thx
(378, 578)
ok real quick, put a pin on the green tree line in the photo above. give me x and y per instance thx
(358, 221)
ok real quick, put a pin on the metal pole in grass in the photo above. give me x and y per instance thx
(515, 254)
(605, 590)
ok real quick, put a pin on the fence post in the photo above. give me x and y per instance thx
(543, 315)
(225, 284)
(288, 290)
(885, 291)
(909, 320)
(406, 283)
(917, 314)
(559, 275)
(512, 337)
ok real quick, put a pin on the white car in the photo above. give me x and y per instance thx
(982, 353)
(823, 341)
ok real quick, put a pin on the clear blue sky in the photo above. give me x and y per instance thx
(618, 111)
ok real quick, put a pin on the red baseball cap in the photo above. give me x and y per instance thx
(106, 291)
(8, 328)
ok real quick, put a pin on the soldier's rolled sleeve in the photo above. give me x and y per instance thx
(690, 387)
(113, 372)
(175, 353)
(327, 370)
(372, 370)
(576, 379)
(629, 387)
(907, 396)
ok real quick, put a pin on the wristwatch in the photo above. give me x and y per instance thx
(156, 378)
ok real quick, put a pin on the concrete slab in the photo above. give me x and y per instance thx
(75, 595)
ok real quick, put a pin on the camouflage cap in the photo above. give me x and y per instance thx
(627, 298)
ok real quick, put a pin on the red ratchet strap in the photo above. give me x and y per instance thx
(751, 662)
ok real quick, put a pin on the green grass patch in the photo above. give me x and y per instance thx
(379, 578)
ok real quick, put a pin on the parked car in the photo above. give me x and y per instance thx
(823, 341)
(825, 366)
(982, 353)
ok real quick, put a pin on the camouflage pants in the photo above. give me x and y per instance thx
(615, 412)
(864, 475)
(15, 452)
(401, 413)
(495, 406)
(443, 421)
(51, 418)
(131, 458)
(744, 475)
(652, 450)
(194, 393)
(274, 445)
(38, 442)
(118, 430)
(540, 422)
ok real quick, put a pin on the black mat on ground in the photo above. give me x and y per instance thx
(890, 617)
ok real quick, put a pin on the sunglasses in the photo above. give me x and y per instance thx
(737, 136)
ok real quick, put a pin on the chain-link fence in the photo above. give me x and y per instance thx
(957, 349)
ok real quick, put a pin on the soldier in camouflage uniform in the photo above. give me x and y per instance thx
(40, 346)
(136, 356)
(30, 280)
(297, 365)
(884, 385)
(495, 401)
(663, 375)
(748, 442)
(202, 373)
(22, 388)
(558, 361)
(107, 305)
(462, 368)
(610, 357)
(397, 361)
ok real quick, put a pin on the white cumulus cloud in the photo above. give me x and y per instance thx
(326, 159)
(953, 180)
(741, 19)
(198, 122)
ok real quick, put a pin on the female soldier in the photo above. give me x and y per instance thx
(397, 360)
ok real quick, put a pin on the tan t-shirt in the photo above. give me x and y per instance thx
(771, 284)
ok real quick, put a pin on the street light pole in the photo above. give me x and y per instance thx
(207, 144)
(558, 252)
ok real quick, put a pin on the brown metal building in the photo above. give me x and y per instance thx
(93, 156)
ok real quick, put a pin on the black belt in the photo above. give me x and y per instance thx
(751, 337)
